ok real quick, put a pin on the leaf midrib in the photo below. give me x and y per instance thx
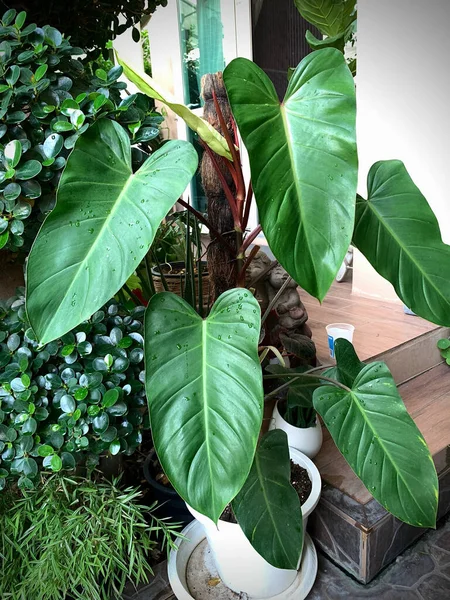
(92, 248)
(380, 442)
(381, 220)
(204, 324)
(268, 505)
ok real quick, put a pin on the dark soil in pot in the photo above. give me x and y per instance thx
(300, 481)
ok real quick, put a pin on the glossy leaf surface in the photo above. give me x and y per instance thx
(268, 507)
(103, 224)
(331, 17)
(204, 388)
(399, 234)
(348, 366)
(303, 161)
(149, 87)
(372, 428)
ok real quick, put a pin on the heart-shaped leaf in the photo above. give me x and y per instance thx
(204, 388)
(303, 161)
(102, 226)
(372, 428)
(397, 232)
(268, 507)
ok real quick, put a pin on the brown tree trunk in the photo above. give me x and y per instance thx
(221, 260)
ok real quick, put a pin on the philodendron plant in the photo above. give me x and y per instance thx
(203, 377)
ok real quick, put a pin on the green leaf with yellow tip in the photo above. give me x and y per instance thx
(148, 86)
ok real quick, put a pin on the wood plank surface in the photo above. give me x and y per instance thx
(427, 398)
(379, 326)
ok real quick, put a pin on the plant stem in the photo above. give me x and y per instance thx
(205, 221)
(240, 255)
(248, 203)
(240, 186)
(250, 238)
(132, 295)
(275, 299)
(226, 188)
(254, 251)
(299, 376)
(149, 275)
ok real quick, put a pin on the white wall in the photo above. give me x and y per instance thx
(403, 87)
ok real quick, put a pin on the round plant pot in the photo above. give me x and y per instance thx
(170, 503)
(175, 279)
(308, 440)
(240, 567)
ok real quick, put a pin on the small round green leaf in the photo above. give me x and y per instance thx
(101, 74)
(114, 447)
(12, 153)
(53, 145)
(20, 19)
(110, 398)
(60, 126)
(29, 170)
(67, 404)
(56, 463)
(443, 344)
(12, 191)
(45, 450)
(40, 72)
(13, 75)
(8, 17)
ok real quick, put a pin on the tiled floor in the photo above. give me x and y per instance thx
(421, 573)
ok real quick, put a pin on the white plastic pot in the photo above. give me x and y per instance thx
(240, 567)
(308, 440)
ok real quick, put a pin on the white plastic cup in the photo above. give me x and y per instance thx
(336, 331)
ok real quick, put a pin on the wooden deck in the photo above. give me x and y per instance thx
(379, 326)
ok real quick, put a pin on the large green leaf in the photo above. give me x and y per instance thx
(372, 428)
(398, 233)
(204, 388)
(348, 366)
(303, 161)
(148, 86)
(268, 507)
(103, 224)
(331, 17)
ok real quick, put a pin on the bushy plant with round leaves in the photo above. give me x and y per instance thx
(73, 400)
(91, 23)
(47, 100)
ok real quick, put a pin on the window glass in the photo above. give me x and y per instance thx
(201, 33)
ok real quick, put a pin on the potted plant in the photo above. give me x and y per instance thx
(177, 257)
(204, 382)
(295, 414)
